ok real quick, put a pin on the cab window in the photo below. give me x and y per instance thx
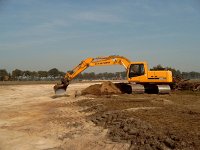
(136, 70)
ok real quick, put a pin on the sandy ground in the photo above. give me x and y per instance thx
(32, 118)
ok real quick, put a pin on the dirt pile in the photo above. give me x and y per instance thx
(109, 88)
(140, 134)
(163, 126)
(186, 84)
(93, 89)
(103, 89)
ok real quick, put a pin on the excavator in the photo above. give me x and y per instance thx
(139, 77)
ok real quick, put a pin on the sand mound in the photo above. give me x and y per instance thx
(93, 89)
(107, 88)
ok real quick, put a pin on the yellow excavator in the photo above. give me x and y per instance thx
(139, 77)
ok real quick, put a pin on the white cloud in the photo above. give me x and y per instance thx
(95, 16)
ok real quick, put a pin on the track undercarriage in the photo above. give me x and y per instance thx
(150, 88)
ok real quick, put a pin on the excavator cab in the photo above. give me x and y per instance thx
(136, 70)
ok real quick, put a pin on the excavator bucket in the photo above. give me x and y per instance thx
(60, 89)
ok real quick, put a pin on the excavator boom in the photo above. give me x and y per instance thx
(89, 62)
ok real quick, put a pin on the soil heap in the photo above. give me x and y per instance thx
(105, 88)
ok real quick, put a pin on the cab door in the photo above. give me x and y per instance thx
(136, 72)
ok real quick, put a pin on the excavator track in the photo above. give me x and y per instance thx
(164, 89)
(150, 88)
(137, 88)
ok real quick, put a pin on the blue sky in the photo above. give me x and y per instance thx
(43, 34)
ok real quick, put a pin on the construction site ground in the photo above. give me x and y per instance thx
(32, 117)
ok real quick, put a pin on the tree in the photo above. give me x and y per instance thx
(42, 74)
(17, 73)
(27, 73)
(91, 75)
(80, 76)
(62, 73)
(124, 74)
(158, 67)
(54, 72)
(34, 75)
(99, 76)
(3, 74)
(9, 76)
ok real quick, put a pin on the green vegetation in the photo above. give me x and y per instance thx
(3, 74)
(19, 75)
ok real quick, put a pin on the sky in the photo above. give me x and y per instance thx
(45, 34)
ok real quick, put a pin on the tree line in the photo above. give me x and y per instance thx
(19, 75)
(55, 74)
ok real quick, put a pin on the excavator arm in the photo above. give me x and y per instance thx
(90, 62)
